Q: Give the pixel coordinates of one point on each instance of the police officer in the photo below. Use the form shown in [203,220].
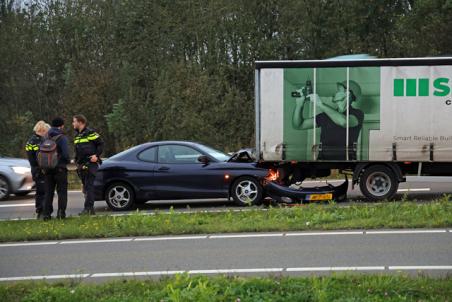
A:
[88,149]
[32,147]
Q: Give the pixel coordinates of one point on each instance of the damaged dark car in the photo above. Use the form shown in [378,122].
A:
[178,170]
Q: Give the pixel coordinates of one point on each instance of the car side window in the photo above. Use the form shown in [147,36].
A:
[148,154]
[178,154]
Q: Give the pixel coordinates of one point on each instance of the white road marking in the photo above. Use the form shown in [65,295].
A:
[236,271]
[17,205]
[325,233]
[232,271]
[421,268]
[246,235]
[170,238]
[335,268]
[136,274]
[226,236]
[28,243]
[445,179]
[406,232]
[17,219]
[45,277]
[96,241]
[322,181]
[414,190]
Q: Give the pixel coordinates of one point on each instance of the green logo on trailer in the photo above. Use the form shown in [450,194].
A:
[421,87]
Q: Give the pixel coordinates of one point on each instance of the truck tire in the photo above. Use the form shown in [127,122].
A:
[378,182]
[246,191]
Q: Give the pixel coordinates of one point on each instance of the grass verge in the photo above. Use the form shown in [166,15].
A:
[310,217]
[200,288]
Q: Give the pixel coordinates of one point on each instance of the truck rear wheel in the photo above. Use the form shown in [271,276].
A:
[378,182]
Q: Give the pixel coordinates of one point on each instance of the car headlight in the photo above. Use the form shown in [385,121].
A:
[21,170]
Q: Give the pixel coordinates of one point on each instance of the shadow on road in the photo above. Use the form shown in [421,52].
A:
[19,198]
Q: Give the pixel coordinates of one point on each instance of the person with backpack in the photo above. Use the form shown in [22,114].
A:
[53,158]
[32,148]
[88,149]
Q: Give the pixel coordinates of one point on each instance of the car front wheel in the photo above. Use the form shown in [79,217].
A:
[4,189]
[246,191]
[120,197]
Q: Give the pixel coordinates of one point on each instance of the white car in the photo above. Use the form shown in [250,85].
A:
[15,177]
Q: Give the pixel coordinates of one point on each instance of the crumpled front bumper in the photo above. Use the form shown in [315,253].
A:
[285,194]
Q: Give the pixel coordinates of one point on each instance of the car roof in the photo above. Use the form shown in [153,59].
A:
[156,143]
[141,147]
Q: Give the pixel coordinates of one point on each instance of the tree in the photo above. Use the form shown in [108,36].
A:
[148,70]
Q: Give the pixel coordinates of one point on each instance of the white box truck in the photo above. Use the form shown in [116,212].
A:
[378,119]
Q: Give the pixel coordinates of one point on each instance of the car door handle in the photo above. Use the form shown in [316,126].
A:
[164,168]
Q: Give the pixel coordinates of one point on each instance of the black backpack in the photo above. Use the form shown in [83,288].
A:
[47,155]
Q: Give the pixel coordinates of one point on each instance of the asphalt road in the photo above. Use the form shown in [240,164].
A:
[415,190]
[408,251]
[421,189]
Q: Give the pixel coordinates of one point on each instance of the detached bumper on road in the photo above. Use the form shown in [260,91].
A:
[285,194]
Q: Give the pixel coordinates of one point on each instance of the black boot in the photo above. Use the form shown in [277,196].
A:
[61,214]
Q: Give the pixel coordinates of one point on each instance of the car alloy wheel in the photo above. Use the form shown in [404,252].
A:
[246,191]
[4,189]
[120,197]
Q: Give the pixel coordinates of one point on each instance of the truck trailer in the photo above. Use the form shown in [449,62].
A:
[377,120]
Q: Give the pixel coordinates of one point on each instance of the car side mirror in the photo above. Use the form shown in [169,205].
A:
[204,159]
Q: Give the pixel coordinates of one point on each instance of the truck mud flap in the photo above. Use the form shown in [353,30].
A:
[283,194]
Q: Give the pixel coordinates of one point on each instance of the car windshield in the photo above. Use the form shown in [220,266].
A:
[218,155]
